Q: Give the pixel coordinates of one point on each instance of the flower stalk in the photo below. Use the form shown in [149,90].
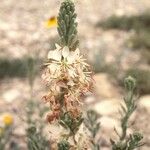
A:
[67,76]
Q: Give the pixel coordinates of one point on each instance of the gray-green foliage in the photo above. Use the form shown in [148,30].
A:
[134,140]
[35,140]
[14,145]
[18,67]
[142,77]
[138,23]
[67,25]
[99,62]
[70,123]
[13,68]
[93,125]
[63,145]
[6,140]
[31,71]
[35,136]
[5,136]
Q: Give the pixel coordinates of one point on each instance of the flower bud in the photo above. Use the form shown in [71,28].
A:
[63,145]
[130,83]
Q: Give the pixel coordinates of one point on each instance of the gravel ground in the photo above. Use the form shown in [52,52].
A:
[22,33]
[22,30]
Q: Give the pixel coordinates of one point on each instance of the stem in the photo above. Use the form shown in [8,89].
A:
[129,105]
[75,142]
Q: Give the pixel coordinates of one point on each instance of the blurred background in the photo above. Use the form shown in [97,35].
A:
[115,39]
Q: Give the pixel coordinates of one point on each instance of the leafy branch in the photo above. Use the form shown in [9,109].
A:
[93,125]
[134,140]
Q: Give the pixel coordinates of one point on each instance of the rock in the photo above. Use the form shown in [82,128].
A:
[11,95]
[110,127]
[109,123]
[108,107]
[19,131]
[2,103]
[144,148]
[90,99]
[105,148]
[104,88]
[111,107]
[145,102]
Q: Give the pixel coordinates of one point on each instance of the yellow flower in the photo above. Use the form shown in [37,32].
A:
[51,22]
[8,119]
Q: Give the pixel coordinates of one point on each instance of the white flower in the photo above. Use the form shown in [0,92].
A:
[72,72]
[73,56]
[65,52]
[55,70]
[55,54]
[68,64]
[59,53]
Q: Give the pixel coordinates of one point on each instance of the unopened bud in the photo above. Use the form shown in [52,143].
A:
[130,83]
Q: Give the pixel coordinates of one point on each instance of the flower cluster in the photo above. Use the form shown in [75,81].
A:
[68,78]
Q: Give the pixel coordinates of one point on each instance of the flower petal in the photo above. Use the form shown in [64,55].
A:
[53,67]
[57,55]
[77,51]
[65,52]
[71,58]
[57,46]
[50,54]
